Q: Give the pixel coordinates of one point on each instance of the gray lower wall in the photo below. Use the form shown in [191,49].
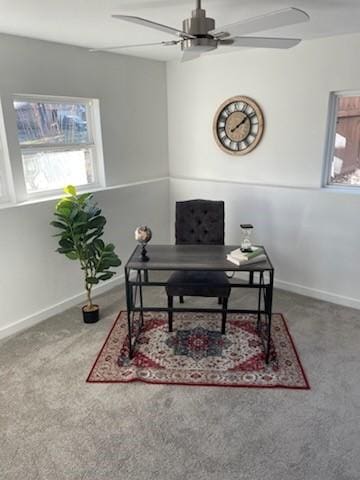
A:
[36,281]
[310,234]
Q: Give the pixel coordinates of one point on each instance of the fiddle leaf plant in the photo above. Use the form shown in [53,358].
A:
[80,228]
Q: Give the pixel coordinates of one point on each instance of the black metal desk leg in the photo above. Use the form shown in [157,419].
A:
[146,276]
[223,314]
[269,298]
[170,313]
[128,307]
[141,298]
[261,282]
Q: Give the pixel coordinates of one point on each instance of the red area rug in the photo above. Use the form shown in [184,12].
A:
[196,353]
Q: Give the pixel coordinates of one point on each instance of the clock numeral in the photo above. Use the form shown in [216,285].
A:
[244,107]
[234,145]
[221,124]
[227,142]
[254,128]
[252,115]
[222,132]
[251,138]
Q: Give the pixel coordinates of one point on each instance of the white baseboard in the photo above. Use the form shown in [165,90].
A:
[319,294]
[311,292]
[41,315]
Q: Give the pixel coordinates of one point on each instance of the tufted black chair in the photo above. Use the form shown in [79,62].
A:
[199,222]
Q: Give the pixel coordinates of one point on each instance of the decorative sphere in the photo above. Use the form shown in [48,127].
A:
[143,234]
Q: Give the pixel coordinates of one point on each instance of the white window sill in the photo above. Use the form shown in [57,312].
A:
[52,197]
[348,189]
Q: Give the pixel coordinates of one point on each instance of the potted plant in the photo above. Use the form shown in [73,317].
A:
[81,227]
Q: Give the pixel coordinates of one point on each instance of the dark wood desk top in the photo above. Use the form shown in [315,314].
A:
[192,257]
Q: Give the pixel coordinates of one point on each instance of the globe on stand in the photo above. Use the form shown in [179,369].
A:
[143,235]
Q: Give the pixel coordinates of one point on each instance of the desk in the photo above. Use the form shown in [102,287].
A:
[197,257]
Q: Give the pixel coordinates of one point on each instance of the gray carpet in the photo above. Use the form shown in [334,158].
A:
[54,426]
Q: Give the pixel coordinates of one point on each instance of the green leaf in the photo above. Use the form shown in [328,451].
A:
[109,262]
[110,247]
[99,244]
[97,222]
[92,211]
[66,243]
[72,255]
[71,190]
[116,262]
[80,227]
[91,280]
[64,250]
[106,276]
[58,225]
[84,197]
[64,208]
[93,235]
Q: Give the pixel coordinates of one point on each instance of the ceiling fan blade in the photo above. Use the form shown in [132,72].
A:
[154,25]
[261,42]
[280,18]
[165,44]
[190,55]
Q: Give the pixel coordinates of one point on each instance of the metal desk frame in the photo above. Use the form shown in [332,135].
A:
[134,288]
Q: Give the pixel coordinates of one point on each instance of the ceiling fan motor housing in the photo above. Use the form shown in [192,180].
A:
[199,25]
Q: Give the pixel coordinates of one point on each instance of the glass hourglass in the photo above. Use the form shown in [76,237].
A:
[246,230]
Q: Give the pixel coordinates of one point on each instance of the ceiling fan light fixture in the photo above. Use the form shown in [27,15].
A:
[199,44]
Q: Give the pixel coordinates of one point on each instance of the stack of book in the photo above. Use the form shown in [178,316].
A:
[238,257]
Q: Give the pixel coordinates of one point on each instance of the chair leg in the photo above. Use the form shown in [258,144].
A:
[170,313]
[224,311]
[219,301]
[181,299]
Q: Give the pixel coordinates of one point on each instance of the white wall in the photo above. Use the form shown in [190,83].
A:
[35,281]
[312,234]
[131,93]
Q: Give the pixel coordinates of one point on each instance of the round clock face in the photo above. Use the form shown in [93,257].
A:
[238,125]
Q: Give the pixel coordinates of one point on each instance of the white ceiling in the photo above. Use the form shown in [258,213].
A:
[87,23]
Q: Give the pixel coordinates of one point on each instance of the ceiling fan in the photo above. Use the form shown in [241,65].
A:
[199,34]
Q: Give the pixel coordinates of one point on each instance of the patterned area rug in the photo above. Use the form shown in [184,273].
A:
[196,353]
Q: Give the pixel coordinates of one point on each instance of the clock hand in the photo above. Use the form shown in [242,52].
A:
[239,124]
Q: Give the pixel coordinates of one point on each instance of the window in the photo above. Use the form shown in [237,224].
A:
[59,143]
[343,153]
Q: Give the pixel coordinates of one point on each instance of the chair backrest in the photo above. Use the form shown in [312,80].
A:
[200,221]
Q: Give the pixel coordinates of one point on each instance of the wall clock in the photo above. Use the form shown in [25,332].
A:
[238,125]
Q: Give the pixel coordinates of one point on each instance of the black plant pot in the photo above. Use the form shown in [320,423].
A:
[91,317]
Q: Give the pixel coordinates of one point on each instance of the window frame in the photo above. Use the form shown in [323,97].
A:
[330,141]
[6,176]
[94,145]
